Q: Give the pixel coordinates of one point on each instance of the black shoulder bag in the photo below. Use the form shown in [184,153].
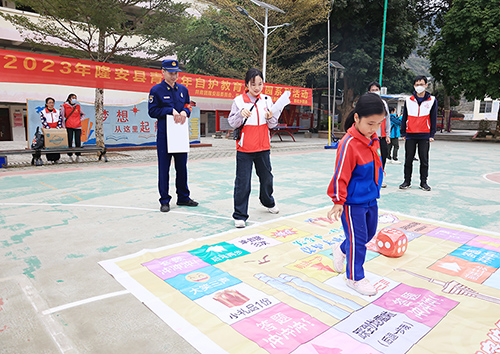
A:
[237,131]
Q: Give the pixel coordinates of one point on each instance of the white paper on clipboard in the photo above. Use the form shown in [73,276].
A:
[278,106]
[177,135]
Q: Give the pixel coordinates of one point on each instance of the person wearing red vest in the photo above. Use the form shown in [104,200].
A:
[51,119]
[251,112]
[418,127]
[73,117]
[384,132]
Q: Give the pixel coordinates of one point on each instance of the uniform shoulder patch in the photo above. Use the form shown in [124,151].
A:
[151,98]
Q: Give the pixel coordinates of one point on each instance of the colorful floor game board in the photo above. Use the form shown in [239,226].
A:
[271,289]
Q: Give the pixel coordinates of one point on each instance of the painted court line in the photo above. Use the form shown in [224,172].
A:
[84,302]
[119,207]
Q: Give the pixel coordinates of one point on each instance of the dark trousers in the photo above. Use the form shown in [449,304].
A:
[77,133]
[53,157]
[383,150]
[360,225]
[243,181]
[164,161]
[411,146]
[393,149]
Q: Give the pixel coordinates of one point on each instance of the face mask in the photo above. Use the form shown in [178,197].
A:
[73,101]
[375,92]
[419,89]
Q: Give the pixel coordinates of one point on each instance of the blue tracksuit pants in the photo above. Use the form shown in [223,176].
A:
[360,225]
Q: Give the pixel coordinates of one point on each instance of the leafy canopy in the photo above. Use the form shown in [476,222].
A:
[466,58]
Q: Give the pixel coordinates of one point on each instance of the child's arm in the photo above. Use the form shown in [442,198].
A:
[344,165]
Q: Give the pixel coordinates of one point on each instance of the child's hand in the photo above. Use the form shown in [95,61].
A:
[245,113]
[269,114]
[335,213]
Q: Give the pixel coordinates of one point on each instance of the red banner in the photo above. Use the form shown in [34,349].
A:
[23,67]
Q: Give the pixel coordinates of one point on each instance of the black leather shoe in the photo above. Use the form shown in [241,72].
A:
[189,203]
[425,187]
[165,208]
[405,185]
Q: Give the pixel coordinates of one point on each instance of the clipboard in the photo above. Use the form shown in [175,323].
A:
[177,135]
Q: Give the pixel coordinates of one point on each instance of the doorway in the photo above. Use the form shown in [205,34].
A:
[5,128]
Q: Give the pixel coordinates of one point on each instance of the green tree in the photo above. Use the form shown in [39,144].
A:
[466,57]
[103,30]
[357,32]
[228,43]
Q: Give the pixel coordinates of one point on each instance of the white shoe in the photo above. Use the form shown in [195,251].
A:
[363,286]
[77,159]
[384,185]
[239,223]
[273,210]
[396,162]
[338,259]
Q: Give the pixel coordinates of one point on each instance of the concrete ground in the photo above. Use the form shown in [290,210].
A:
[58,221]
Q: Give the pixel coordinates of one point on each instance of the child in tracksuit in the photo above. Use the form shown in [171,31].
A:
[395,135]
[355,188]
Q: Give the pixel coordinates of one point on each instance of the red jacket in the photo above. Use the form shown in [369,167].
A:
[358,170]
[255,134]
[73,120]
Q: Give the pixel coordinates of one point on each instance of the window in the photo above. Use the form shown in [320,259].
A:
[485,107]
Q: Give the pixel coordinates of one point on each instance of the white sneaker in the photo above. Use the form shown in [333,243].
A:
[338,259]
[77,159]
[239,223]
[384,185]
[363,286]
[396,162]
[274,209]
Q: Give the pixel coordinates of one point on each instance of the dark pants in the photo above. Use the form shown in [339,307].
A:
[164,161]
[77,133]
[243,181]
[360,225]
[383,150]
[411,146]
[393,149]
[53,156]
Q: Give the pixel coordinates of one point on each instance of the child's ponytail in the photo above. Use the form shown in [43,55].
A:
[367,105]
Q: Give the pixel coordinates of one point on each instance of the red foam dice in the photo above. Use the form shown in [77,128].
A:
[391,242]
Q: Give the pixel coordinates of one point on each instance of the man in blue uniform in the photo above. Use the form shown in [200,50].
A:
[170,98]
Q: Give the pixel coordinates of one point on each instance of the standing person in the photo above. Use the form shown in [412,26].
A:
[170,98]
[73,115]
[418,127]
[51,119]
[384,133]
[395,135]
[250,111]
[355,188]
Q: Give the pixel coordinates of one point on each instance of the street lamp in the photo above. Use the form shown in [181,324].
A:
[336,66]
[265,27]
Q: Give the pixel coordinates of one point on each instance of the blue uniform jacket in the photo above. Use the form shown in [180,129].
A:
[163,99]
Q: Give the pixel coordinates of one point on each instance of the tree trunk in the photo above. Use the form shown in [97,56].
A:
[347,106]
[99,126]
[99,97]
[497,130]
[447,111]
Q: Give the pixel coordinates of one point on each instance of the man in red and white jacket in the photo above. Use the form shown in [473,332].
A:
[418,127]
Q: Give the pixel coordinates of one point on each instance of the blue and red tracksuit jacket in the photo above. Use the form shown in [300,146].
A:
[358,170]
